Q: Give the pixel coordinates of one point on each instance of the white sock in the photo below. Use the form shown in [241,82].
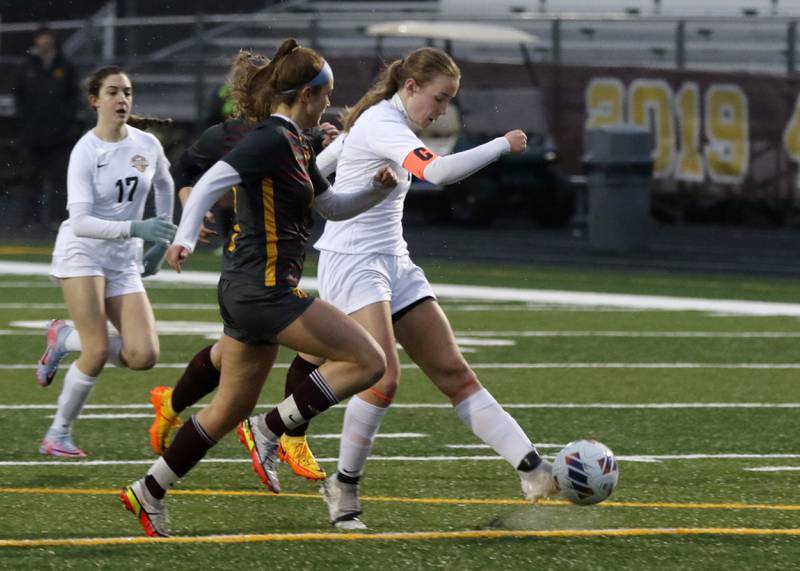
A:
[73,341]
[163,474]
[77,386]
[361,423]
[114,351]
[489,422]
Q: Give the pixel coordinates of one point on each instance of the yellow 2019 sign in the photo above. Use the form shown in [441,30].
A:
[721,154]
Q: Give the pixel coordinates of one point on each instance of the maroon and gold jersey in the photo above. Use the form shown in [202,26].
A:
[273,204]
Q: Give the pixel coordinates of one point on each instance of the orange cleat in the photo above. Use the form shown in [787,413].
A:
[166,422]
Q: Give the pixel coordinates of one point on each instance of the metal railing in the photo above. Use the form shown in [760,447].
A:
[571,39]
[190,52]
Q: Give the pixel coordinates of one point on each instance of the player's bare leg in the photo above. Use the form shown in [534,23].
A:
[428,340]
[363,417]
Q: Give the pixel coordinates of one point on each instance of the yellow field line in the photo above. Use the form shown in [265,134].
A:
[25,250]
[422,535]
[398,500]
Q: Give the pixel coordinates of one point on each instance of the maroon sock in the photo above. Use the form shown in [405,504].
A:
[189,446]
[199,379]
[311,398]
[298,372]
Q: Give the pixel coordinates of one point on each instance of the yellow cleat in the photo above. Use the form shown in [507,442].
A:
[294,451]
[166,421]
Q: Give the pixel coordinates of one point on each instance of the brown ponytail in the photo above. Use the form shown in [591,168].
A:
[422,65]
[278,82]
[147,122]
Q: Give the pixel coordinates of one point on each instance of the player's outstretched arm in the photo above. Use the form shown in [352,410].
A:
[334,205]
[211,186]
[205,231]
[426,165]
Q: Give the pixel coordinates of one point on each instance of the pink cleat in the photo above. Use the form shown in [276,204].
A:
[47,368]
[61,445]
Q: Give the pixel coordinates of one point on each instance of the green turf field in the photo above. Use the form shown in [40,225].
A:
[701,409]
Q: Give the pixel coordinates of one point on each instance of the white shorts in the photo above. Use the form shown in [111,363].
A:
[354,281]
[118,282]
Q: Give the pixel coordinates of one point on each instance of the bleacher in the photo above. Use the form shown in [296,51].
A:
[178,55]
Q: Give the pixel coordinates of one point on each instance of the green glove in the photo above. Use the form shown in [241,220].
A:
[154,230]
[153,258]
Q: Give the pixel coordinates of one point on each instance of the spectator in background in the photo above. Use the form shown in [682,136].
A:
[47,98]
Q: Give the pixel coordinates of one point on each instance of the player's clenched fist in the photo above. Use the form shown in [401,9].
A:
[518,140]
[385,177]
[176,255]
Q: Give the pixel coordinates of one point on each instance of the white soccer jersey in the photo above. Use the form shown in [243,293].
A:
[380,136]
[116,179]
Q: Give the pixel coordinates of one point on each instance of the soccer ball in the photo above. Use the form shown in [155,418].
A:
[586,472]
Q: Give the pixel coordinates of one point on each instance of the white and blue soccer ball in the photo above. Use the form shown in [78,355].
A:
[586,472]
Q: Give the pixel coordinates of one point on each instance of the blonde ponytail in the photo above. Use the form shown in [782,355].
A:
[421,65]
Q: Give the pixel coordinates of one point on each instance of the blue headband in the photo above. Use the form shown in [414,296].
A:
[324,76]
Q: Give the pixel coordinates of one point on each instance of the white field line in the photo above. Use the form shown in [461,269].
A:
[474,337]
[774,469]
[214,329]
[46,284]
[486,446]
[644,458]
[447,305]
[767,366]
[570,298]
[181,306]
[21,332]
[601,406]
[379,435]
[22,366]
[656,334]
[455,305]
[763,366]
[110,416]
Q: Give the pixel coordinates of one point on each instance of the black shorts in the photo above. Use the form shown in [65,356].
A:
[254,314]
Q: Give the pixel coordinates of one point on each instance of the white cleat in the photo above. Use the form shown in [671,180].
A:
[151,513]
[344,506]
[539,482]
[263,453]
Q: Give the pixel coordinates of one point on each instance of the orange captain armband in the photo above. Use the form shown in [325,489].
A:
[416,161]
